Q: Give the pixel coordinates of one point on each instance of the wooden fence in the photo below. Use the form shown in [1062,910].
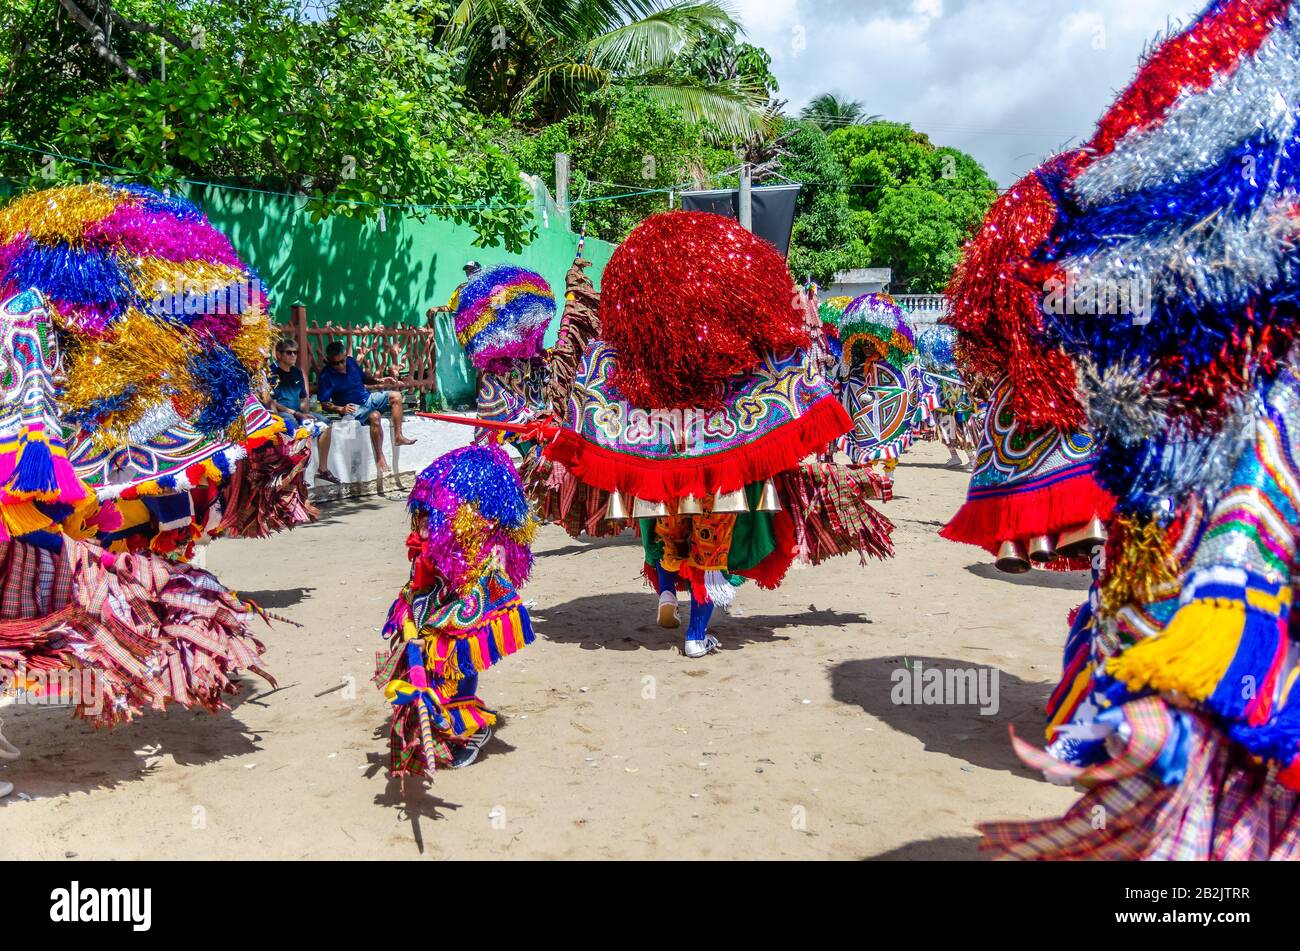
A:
[408,355]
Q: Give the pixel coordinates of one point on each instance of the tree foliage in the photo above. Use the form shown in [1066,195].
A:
[543,57]
[915,204]
[830,111]
[620,142]
[353,109]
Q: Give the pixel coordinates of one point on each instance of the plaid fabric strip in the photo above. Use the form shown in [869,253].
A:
[18,583]
[1227,808]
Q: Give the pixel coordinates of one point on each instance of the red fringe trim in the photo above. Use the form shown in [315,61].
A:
[987,523]
[659,481]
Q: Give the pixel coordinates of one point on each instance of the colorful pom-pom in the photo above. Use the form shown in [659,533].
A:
[502,314]
[477,518]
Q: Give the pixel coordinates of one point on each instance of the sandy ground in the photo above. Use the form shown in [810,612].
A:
[614,745]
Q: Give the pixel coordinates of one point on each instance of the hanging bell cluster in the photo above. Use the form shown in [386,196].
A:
[1080,542]
[724,503]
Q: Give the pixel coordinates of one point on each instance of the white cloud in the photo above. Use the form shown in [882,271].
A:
[1009,81]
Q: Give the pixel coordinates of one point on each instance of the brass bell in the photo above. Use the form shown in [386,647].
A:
[690,505]
[1012,558]
[1079,542]
[770,500]
[1041,550]
[730,503]
[616,510]
[641,508]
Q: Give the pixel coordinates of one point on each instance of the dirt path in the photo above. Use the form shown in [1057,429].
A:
[787,744]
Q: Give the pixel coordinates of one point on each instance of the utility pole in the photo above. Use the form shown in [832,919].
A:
[746,198]
[562,182]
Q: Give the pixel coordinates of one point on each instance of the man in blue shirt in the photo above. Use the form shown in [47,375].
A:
[341,388]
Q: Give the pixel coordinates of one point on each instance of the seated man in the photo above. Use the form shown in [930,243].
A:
[290,398]
[342,389]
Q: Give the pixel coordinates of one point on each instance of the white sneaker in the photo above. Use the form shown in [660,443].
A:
[700,648]
[468,753]
[5,788]
[668,616]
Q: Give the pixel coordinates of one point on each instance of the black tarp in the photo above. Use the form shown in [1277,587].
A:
[772,207]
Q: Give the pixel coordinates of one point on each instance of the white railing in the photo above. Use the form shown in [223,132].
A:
[922,309]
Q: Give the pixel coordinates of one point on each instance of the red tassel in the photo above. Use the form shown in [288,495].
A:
[660,480]
[987,523]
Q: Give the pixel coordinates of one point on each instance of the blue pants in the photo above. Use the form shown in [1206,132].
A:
[701,611]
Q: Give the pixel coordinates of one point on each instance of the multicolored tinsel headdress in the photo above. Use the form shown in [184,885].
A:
[154,308]
[502,315]
[1167,272]
[873,328]
[1174,258]
[935,346]
[994,301]
[690,299]
[477,517]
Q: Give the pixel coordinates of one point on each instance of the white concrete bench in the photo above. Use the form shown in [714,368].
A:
[353,460]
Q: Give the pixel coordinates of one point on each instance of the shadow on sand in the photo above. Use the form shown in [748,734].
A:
[959,731]
[62,755]
[603,622]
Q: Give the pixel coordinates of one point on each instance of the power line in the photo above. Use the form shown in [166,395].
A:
[352,202]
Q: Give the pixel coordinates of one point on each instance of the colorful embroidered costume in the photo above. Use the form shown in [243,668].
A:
[1177,712]
[165,337]
[460,614]
[130,630]
[882,390]
[706,453]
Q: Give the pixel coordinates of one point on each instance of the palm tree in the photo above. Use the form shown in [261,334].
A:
[541,53]
[829,112]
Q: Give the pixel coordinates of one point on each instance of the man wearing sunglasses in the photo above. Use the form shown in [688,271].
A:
[342,388]
[290,399]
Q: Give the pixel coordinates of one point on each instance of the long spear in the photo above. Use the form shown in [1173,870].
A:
[533,430]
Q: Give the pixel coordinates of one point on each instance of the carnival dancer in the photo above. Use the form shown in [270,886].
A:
[111,632]
[460,613]
[166,338]
[694,413]
[951,406]
[1033,498]
[702,446]
[1177,712]
[880,388]
[502,316]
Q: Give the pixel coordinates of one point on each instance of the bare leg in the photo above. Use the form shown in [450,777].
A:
[323,448]
[377,441]
[395,404]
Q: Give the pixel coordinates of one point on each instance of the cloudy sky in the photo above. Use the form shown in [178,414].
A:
[1010,81]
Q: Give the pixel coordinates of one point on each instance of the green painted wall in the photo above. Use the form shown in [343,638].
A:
[350,272]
